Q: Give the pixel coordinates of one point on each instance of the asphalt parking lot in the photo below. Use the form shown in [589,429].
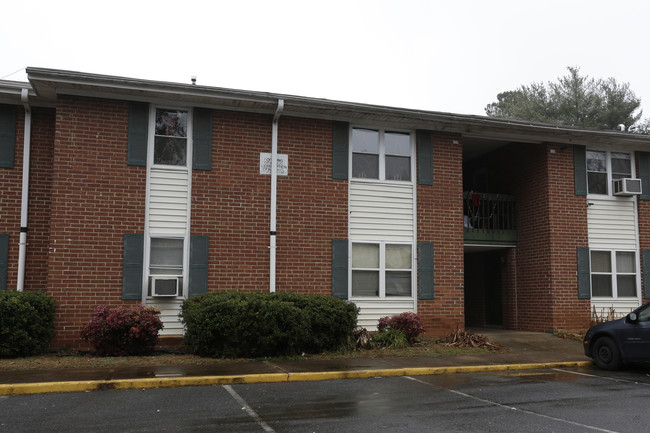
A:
[558,400]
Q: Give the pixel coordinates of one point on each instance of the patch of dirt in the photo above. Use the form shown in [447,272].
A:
[423,347]
[88,360]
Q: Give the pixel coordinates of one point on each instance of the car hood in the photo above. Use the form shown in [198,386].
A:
[608,326]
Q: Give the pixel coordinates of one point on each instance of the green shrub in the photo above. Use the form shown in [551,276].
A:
[234,324]
[390,338]
[123,331]
[26,323]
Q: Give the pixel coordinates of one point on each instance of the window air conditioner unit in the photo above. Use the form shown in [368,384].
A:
[164,286]
[627,187]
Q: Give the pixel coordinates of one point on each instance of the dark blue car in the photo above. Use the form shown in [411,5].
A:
[626,340]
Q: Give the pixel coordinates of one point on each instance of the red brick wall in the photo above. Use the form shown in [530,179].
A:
[231,204]
[567,231]
[539,279]
[42,140]
[533,289]
[96,198]
[40,198]
[643,210]
[11,187]
[440,220]
[312,207]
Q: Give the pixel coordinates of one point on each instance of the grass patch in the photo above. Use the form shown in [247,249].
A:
[570,335]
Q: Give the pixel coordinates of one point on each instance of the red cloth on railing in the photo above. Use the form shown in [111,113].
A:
[477,199]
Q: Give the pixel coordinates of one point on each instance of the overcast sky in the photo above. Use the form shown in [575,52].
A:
[450,56]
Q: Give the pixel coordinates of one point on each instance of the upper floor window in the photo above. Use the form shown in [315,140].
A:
[170,139]
[381,155]
[603,167]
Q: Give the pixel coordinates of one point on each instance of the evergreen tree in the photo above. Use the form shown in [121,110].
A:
[574,100]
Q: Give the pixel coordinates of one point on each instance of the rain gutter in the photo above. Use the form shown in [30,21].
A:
[274,194]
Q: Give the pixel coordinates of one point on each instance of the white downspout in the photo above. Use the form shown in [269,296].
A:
[22,251]
[274,192]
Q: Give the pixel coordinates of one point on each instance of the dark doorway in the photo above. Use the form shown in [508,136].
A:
[483,286]
[493,306]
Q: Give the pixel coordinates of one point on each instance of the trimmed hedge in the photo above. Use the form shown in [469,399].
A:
[26,323]
[123,331]
[236,324]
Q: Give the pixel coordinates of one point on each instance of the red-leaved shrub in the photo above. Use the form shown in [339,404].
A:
[409,323]
[123,331]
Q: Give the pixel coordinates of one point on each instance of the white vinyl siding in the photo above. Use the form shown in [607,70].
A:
[373,310]
[612,225]
[169,309]
[613,308]
[168,201]
[382,211]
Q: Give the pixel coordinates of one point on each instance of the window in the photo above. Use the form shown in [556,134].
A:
[381,269]
[604,167]
[381,155]
[166,259]
[613,274]
[170,139]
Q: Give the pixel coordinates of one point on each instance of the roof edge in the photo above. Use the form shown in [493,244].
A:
[48,83]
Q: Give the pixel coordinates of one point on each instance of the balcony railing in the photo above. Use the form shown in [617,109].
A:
[489,219]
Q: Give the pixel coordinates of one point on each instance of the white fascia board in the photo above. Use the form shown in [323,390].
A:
[10,92]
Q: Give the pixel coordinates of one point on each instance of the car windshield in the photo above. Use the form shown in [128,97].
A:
[644,314]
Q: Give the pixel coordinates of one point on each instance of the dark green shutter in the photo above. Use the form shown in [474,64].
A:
[199,247]
[580,170]
[132,266]
[340,268]
[425,270]
[138,133]
[7,135]
[4,260]
[424,141]
[340,149]
[646,273]
[202,139]
[644,174]
[584,273]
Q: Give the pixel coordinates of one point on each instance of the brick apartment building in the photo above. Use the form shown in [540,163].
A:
[121,191]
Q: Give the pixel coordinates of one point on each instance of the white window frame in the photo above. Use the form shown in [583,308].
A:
[184,266]
[382,270]
[610,179]
[382,153]
[188,137]
[146,277]
[614,273]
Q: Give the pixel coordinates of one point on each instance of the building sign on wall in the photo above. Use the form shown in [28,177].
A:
[282,164]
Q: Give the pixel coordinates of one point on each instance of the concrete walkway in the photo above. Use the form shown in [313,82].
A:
[527,350]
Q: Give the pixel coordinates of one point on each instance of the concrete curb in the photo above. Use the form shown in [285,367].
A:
[97,385]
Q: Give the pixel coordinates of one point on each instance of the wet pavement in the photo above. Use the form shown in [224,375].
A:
[523,348]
